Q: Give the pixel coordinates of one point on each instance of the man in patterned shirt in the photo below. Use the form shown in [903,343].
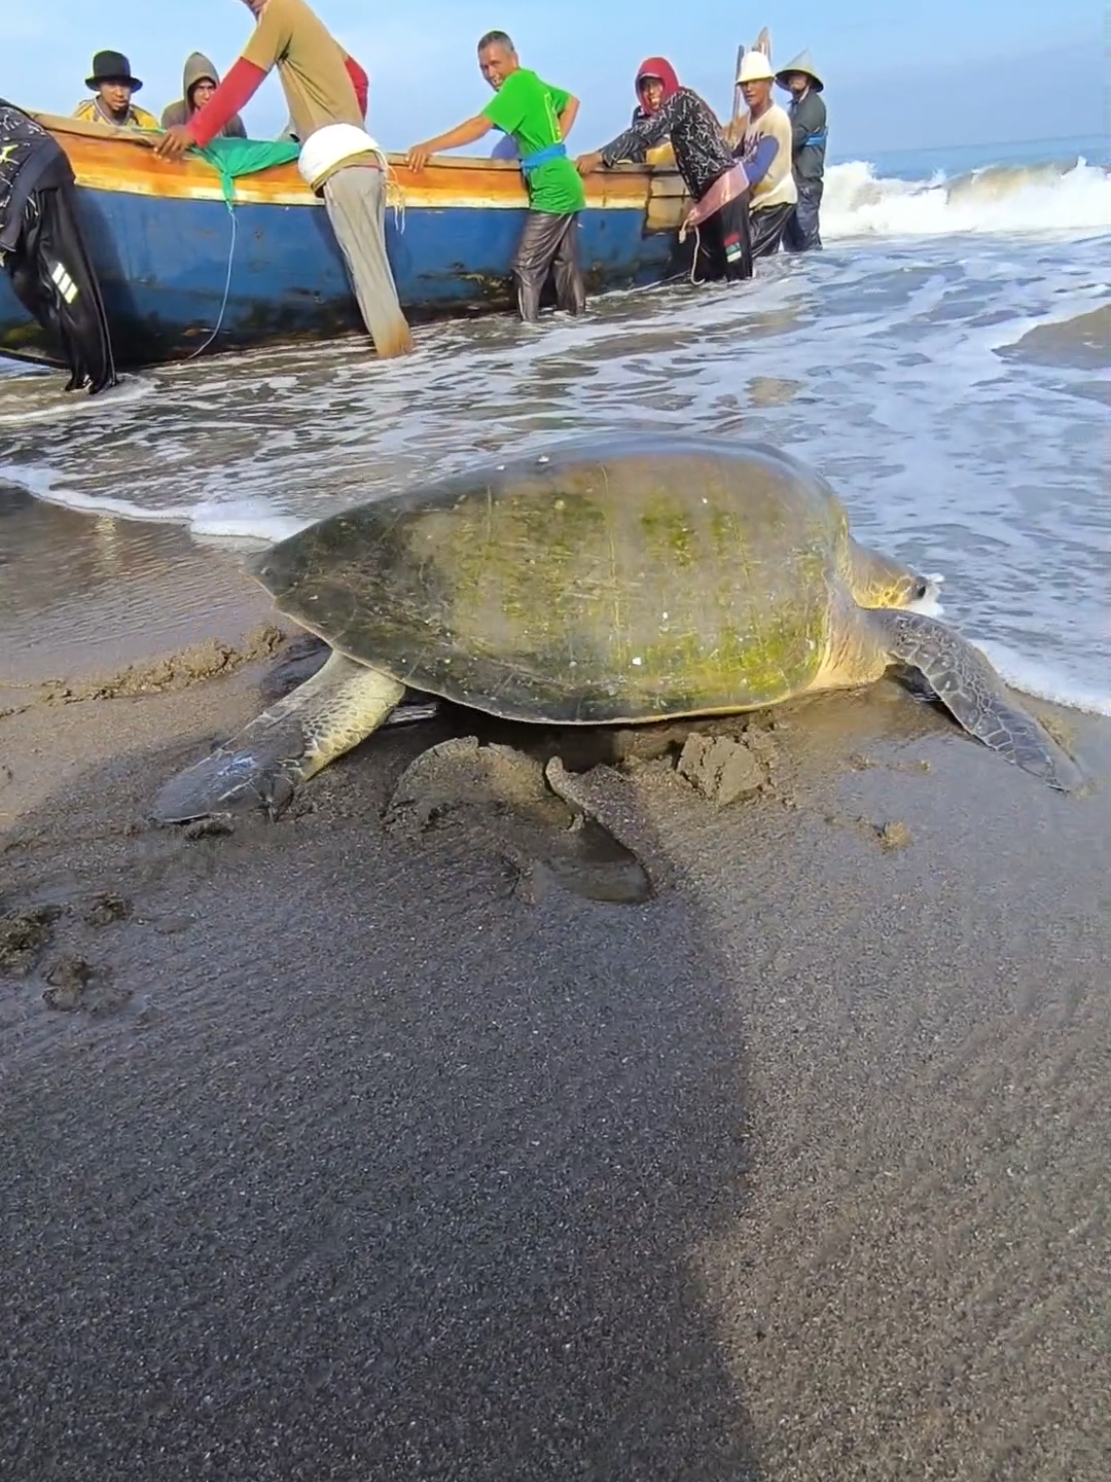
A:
[703,158]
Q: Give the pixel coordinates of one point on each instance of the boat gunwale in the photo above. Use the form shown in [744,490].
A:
[122,161]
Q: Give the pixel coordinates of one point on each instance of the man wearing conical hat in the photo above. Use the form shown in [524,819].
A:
[807,112]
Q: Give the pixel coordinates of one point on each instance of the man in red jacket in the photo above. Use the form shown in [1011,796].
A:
[326,91]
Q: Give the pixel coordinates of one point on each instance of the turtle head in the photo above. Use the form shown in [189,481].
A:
[878,581]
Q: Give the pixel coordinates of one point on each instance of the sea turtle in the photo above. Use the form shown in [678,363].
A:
[620,579]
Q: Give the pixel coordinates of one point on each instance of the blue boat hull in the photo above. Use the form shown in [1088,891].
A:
[163,264]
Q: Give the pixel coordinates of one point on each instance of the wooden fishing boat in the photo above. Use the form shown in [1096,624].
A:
[181,270]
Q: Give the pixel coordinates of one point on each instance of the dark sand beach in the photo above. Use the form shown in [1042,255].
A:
[332,1153]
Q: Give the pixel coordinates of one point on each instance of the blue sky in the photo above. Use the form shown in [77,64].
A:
[898,78]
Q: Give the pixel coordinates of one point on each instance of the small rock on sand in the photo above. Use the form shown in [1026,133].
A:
[208,828]
[76,984]
[894,835]
[68,979]
[23,935]
[104,909]
[721,768]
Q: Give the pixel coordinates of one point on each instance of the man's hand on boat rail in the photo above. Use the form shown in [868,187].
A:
[174,142]
[418,156]
[588,162]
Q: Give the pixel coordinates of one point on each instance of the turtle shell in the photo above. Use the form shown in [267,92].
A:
[614,580]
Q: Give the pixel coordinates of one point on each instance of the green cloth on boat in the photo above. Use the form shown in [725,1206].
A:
[234,157]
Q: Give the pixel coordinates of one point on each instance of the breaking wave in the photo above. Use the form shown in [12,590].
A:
[997,198]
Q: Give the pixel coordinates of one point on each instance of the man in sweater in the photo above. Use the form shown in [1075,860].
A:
[539,117]
[765,152]
[808,151]
[326,91]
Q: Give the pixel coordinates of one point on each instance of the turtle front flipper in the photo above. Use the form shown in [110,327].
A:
[263,766]
[968,686]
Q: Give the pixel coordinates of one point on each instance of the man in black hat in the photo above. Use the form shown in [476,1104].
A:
[113,84]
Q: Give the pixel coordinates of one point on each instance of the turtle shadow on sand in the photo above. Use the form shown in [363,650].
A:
[407,1175]
[430,1172]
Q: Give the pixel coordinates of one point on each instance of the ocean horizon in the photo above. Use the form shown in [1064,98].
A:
[954,160]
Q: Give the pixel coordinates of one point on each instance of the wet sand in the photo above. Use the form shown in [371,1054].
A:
[330,1152]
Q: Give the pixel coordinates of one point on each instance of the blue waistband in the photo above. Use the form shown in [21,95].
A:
[542,156]
[814,139]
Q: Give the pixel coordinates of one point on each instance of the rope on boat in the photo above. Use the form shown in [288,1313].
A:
[395,196]
[227,287]
[397,204]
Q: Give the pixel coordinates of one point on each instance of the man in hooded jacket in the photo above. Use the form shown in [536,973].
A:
[703,158]
[199,81]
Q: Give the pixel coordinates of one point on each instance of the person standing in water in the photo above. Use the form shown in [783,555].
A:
[539,118]
[703,158]
[114,86]
[765,152]
[807,111]
[326,92]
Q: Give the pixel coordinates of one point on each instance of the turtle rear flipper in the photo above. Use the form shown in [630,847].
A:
[291,741]
[964,681]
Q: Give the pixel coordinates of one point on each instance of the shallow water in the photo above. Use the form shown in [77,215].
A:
[953,387]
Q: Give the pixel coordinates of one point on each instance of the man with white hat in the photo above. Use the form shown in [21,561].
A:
[808,150]
[765,152]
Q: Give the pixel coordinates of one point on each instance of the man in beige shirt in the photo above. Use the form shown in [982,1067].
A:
[765,151]
[326,93]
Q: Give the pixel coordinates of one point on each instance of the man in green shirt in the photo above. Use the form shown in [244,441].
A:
[539,117]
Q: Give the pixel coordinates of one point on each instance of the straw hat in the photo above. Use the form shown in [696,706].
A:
[755,67]
[803,63]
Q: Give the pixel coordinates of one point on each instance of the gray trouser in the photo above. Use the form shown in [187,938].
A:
[802,234]
[355,199]
[549,241]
